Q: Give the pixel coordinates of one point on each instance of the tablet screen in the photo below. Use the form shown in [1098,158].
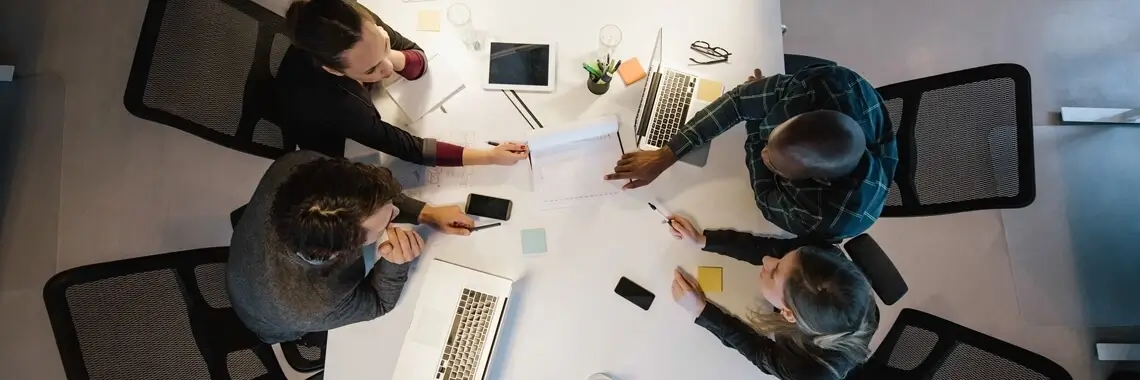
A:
[520,64]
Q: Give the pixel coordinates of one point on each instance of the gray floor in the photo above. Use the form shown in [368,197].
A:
[124,187]
[1080,53]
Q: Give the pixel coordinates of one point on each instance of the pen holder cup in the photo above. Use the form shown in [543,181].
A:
[597,88]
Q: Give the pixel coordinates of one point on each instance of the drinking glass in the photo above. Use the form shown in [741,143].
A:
[459,15]
[608,39]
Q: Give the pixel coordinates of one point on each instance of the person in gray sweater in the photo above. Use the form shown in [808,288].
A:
[304,257]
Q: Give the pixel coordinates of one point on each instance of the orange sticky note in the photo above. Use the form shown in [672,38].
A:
[631,71]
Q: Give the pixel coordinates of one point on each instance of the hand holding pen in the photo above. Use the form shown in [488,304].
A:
[485,226]
[683,229]
[506,153]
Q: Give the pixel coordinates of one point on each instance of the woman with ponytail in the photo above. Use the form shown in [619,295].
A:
[340,50]
[825,310]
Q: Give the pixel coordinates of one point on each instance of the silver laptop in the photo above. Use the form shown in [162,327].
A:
[669,100]
[455,325]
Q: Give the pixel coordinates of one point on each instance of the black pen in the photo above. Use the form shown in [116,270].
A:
[659,212]
[483,227]
[493,143]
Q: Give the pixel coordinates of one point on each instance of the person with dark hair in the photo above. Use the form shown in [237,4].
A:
[340,49]
[826,312]
[820,150]
[309,253]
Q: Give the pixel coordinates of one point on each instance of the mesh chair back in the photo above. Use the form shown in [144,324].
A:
[923,346]
[965,141]
[306,354]
[156,317]
[206,67]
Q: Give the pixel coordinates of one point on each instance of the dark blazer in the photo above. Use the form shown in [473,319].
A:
[320,110]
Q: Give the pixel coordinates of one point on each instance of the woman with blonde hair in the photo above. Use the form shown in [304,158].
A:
[825,310]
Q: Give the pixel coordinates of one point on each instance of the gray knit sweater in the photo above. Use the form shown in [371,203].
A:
[281,296]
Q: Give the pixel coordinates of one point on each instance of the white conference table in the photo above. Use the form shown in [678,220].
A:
[564,320]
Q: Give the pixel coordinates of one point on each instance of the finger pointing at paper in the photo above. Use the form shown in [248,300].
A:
[641,168]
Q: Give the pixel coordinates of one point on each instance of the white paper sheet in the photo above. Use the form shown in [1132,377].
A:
[416,179]
[569,163]
[418,97]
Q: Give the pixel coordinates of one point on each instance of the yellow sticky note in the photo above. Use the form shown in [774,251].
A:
[711,279]
[708,90]
[429,21]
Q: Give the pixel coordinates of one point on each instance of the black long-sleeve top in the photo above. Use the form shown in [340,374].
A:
[320,110]
[777,357]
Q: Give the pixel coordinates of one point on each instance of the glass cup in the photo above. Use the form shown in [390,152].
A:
[459,15]
[608,39]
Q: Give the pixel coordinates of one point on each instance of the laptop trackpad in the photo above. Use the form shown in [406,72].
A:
[431,327]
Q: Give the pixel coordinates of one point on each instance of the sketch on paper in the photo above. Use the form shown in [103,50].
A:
[417,179]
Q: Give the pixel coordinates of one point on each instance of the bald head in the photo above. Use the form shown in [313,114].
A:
[820,144]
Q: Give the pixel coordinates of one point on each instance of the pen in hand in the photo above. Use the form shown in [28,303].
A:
[486,226]
[495,143]
[659,212]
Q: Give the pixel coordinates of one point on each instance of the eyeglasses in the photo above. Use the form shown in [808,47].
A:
[718,53]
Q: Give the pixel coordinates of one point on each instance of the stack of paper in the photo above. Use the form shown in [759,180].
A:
[418,97]
[569,163]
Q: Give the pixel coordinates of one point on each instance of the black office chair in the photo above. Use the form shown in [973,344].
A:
[206,67]
[880,271]
[965,142]
[923,346]
[306,354]
[154,317]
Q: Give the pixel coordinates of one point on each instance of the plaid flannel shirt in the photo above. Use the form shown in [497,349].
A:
[839,209]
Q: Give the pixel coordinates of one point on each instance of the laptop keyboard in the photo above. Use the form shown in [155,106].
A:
[669,111]
[468,333]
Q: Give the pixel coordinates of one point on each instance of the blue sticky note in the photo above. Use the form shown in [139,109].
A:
[369,257]
[533,241]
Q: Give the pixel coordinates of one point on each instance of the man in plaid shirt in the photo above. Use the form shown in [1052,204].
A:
[820,151]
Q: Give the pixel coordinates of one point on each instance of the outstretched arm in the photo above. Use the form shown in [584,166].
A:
[749,101]
[747,247]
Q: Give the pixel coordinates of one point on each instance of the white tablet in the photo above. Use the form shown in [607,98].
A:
[520,66]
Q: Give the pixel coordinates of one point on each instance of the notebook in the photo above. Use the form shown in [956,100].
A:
[569,163]
[418,97]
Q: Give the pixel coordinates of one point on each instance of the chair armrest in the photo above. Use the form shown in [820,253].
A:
[884,277]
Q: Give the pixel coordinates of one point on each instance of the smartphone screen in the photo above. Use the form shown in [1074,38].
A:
[489,207]
[634,293]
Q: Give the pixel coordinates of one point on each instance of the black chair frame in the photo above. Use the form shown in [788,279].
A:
[257,102]
[205,321]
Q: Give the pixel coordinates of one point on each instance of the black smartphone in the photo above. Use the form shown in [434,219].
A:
[634,293]
[489,207]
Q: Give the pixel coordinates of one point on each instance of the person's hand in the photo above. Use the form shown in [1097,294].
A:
[641,168]
[507,153]
[756,75]
[403,245]
[688,293]
[396,61]
[448,219]
[683,229]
